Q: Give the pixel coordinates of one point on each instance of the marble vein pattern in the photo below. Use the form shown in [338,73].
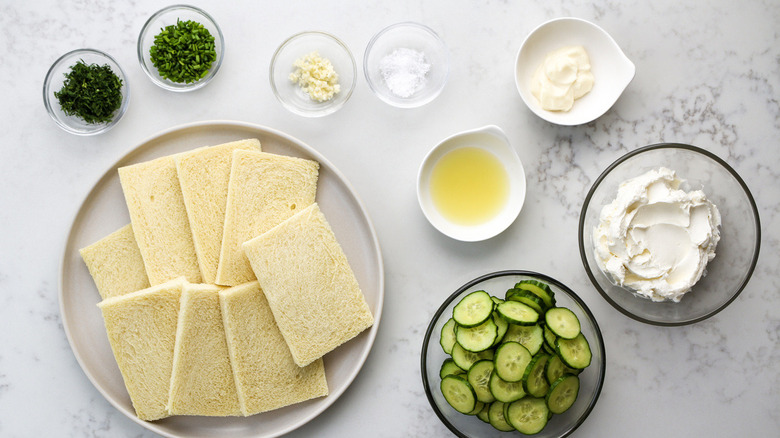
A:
[708,74]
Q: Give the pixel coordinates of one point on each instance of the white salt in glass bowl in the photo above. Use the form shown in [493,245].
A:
[492,139]
[613,71]
[417,37]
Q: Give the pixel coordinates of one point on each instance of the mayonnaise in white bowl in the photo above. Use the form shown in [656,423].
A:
[612,69]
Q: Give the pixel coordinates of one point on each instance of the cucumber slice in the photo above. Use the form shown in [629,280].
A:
[534,381]
[549,338]
[511,360]
[497,419]
[555,368]
[540,289]
[505,391]
[458,393]
[502,327]
[484,413]
[528,298]
[563,322]
[479,379]
[531,336]
[496,300]
[449,367]
[517,313]
[465,359]
[563,393]
[478,338]
[447,339]
[528,415]
[473,309]
[478,406]
[575,353]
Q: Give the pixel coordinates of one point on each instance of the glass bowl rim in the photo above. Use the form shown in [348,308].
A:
[506,273]
[125,96]
[375,89]
[638,151]
[193,85]
[297,110]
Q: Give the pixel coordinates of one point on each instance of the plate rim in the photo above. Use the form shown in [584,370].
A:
[331,398]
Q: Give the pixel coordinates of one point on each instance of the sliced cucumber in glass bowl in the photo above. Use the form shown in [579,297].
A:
[533,361]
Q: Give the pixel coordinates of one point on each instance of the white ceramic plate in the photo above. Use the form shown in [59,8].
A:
[611,68]
[104,211]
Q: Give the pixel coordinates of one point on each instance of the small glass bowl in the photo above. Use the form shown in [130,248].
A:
[55,78]
[290,94]
[497,283]
[408,35]
[167,17]
[736,254]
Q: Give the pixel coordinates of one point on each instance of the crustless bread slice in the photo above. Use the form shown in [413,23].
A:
[159,218]
[115,264]
[202,379]
[264,190]
[310,287]
[141,329]
[265,374]
[203,175]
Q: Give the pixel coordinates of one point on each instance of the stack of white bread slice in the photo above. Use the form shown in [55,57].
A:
[227,288]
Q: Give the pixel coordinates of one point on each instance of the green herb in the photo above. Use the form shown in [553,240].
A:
[91,92]
[183,52]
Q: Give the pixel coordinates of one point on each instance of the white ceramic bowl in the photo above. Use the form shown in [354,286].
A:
[290,94]
[613,71]
[492,139]
[408,35]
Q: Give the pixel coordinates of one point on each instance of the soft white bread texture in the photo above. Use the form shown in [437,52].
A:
[159,218]
[265,374]
[203,175]
[310,287]
[115,264]
[264,190]
[202,379]
[141,328]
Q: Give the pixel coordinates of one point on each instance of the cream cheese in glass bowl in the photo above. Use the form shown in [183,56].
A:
[727,274]
[655,237]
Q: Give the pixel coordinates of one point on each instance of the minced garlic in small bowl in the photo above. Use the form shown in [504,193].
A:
[313,74]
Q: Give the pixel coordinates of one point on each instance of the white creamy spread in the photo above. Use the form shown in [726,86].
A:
[563,77]
[656,238]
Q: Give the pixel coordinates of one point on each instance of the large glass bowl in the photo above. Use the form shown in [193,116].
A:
[497,283]
[736,253]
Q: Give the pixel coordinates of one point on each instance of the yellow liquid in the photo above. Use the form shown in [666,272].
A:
[469,186]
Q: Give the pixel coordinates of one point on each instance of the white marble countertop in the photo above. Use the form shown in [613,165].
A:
[708,74]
